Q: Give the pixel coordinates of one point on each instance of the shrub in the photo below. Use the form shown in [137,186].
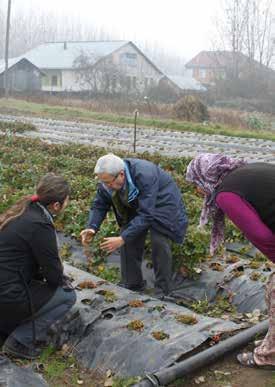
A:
[229,117]
[255,122]
[190,108]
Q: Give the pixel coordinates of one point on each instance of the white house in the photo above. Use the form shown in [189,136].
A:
[58,63]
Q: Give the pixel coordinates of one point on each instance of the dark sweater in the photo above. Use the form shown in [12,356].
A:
[28,245]
[255,183]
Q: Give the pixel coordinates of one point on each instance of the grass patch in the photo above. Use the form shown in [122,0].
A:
[58,368]
[15,106]
[125,382]
[16,127]
[222,305]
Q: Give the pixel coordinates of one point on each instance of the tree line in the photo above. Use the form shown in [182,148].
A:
[31,28]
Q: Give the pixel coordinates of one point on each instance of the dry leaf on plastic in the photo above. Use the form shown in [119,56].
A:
[87,284]
[216,266]
[136,303]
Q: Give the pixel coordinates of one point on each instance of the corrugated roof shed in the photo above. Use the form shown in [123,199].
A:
[14,61]
[186,82]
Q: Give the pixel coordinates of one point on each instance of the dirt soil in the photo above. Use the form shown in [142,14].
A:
[229,373]
[225,373]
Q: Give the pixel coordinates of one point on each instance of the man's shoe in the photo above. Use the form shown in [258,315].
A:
[138,288]
[135,288]
[14,348]
[160,294]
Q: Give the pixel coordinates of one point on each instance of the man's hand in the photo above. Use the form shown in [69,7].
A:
[87,236]
[111,244]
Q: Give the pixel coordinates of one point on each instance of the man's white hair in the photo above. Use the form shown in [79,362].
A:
[110,164]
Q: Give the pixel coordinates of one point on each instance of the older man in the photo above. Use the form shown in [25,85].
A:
[144,198]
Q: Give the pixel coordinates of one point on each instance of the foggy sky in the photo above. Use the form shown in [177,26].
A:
[182,27]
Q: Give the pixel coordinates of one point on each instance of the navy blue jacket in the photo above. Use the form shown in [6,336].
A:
[158,206]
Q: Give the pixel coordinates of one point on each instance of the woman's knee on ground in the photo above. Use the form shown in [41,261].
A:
[65,296]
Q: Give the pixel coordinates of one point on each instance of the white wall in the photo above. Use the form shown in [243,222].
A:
[142,73]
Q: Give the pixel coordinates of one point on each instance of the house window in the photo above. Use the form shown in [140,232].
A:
[134,82]
[202,73]
[129,59]
[220,74]
[54,80]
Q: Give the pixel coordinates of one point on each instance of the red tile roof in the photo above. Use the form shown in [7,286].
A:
[215,59]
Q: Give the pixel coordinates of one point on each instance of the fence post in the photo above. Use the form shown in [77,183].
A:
[135,129]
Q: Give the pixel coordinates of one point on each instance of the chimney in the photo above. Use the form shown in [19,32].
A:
[65,45]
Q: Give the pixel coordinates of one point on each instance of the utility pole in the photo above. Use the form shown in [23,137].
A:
[6,83]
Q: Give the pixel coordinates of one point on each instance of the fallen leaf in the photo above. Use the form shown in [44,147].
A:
[197,270]
[109,382]
[221,373]
[216,266]
[136,303]
[200,379]
[87,284]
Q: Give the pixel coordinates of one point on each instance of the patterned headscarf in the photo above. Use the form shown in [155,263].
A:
[207,172]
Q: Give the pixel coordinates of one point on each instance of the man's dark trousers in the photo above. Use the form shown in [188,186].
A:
[131,254]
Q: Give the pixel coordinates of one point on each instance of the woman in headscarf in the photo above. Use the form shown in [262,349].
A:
[245,193]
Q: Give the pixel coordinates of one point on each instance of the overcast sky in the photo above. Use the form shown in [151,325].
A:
[183,27]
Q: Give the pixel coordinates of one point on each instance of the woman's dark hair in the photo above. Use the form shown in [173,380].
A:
[50,189]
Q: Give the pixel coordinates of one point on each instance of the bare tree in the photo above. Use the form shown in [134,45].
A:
[86,72]
[99,75]
[246,28]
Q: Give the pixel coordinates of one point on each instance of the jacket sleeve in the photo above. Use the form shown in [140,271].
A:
[45,252]
[100,206]
[147,182]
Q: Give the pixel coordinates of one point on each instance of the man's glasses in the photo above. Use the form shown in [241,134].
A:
[108,183]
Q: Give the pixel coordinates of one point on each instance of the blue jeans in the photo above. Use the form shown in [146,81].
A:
[55,309]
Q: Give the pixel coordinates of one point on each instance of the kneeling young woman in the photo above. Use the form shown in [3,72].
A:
[34,292]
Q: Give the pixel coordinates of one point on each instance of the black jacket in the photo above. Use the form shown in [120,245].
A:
[28,252]
[255,182]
